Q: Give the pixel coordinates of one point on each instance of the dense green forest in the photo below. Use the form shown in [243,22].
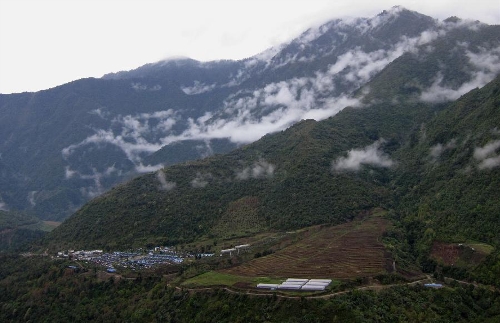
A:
[18,230]
[39,290]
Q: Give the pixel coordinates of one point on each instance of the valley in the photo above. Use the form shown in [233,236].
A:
[366,151]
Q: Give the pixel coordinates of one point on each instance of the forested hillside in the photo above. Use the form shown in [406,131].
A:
[318,172]
[50,291]
[18,230]
[365,152]
[67,145]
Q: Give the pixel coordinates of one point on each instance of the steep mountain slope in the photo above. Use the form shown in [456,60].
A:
[69,144]
[401,156]
[292,179]
[452,169]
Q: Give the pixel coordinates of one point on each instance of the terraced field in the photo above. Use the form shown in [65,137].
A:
[345,251]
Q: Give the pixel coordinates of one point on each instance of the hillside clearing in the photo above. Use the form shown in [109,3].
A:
[344,251]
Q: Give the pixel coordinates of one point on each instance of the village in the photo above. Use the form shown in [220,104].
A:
[134,260]
[141,258]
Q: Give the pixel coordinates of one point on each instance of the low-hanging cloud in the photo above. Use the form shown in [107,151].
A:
[164,184]
[247,115]
[438,149]
[143,87]
[489,163]
[100,112]
[31,197]
[259,169]
[198,88]
[3,206]
[314,97]
[138,134]
[487,155]
[201,180]
[96,177]
[485,66]
[148,168]
[370,155]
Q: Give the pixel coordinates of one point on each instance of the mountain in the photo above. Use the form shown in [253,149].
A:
[453,166]
[66,145]
[421,141]
[433,164]
[69,144]
[366,151]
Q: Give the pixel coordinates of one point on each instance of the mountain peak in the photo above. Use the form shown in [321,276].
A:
[397,12]
[394,10]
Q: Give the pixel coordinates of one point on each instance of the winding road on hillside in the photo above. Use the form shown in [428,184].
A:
[326,296]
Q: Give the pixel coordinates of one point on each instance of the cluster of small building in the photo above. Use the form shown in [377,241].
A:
[236,249]
[140,259]
[299,284]
[79,254]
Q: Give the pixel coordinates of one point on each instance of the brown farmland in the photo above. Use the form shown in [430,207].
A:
[344,251]
[458,254]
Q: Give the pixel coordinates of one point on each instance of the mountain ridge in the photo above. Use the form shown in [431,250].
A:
[121,127]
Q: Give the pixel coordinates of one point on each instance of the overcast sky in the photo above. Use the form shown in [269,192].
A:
[45,43]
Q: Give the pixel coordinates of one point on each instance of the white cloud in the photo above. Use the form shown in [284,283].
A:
[487,155]
[31,197]
[486,64]
[148,168]
[164,184]
[137,135]
[473,25]
[370,155]
[205,149]
[100,112]
[143,87]
[96,189]
[438,93]
[96,177]
[438,149]
[68,173]
[488,150]
[259,169]
[384,18]
[490,163]
[198,88]
[312,97]
[201,180]
[247,116]
[3,207]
